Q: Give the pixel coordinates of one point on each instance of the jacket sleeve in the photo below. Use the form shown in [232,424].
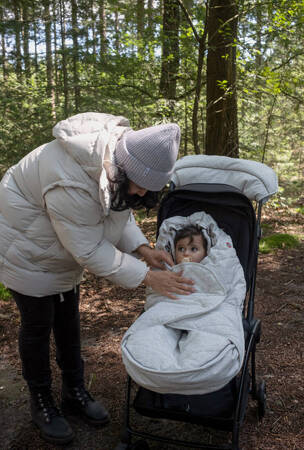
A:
[78,222]
[132,237]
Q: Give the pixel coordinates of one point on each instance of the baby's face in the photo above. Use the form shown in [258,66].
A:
[194,251]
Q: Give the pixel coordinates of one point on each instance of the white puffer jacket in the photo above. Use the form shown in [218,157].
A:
[55,216]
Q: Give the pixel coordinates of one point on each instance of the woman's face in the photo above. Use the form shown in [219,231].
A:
[135,189]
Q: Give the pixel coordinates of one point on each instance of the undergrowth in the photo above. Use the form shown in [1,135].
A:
[4,293]
[278,241]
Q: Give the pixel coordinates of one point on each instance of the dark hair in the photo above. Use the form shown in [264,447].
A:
[190,231]
[121,200]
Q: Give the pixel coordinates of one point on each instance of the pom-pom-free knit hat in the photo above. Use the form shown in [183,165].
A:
[148,156]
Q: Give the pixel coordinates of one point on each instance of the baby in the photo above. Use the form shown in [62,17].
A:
[190,245]
[195,342]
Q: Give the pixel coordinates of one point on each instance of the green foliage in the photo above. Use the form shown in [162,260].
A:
[278,241]
[271,82]
[125,81]
[288,195]
[25,120]
[4,293]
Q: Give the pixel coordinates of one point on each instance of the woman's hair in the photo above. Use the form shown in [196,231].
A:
[121,200]
[188,232]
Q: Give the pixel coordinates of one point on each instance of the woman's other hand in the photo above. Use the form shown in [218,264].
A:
[155,258]
[169,283]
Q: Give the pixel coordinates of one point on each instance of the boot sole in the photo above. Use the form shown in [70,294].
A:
[68,411]
[54,440]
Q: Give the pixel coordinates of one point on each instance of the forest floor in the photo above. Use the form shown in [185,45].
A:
[107,312]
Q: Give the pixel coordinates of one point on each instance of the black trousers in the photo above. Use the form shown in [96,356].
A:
[40,316]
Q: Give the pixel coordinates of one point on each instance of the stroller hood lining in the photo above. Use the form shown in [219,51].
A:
[254,179]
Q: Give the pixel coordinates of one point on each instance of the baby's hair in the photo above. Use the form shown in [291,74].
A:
[188,232]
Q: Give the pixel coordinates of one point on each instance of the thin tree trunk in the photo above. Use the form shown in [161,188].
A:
[87,39]
[222,127]
[116,25]
[64,59]
[140,14]
[170,50]
[102,28]
[258,55]
[25,32]
[18,41]
[3,47]
[198,87]
[55,16]
[150,29]
[75,56]
[35,47]
[93,28]
[49,57]
[150,15]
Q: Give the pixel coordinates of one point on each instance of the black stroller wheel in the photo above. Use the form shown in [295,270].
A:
[261,398]
[140,445]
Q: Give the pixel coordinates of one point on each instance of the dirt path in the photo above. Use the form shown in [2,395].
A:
[107,312]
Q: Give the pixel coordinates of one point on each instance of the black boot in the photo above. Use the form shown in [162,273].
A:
[48,418]
[78,401]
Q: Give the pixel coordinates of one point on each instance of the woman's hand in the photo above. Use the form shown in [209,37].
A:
[155,258]
[169,283]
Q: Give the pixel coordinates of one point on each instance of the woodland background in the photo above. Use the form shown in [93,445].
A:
[229,72]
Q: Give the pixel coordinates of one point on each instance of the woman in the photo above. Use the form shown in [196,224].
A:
[66,207]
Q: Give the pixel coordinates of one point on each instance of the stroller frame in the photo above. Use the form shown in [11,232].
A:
[247,381]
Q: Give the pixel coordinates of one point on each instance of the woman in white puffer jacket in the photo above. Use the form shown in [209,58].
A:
[66,207]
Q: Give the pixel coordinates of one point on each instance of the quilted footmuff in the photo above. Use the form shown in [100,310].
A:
[194,344]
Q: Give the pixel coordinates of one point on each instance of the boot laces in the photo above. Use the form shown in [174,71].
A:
[82,395]
[45,403]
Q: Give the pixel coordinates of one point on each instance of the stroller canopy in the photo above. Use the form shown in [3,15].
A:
[254,179]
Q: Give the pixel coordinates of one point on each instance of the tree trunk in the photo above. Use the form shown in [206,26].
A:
[170,49]
[116,30]
[75,55]
[18,42]
[25,32]
[49,57]
[140,15]
[102,29]
[64,59]
[56,75]
[150,15]
[222,127]
[93,28]
[258,56]
[198,87]
[36,47]
[3,46]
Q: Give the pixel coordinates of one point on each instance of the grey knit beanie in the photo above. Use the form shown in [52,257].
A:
[148,156]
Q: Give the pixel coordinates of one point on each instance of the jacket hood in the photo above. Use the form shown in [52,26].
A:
[90,139]
[170,226]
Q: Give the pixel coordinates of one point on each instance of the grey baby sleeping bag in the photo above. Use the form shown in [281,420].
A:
[195,344]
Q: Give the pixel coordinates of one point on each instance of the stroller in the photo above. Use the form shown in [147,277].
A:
[227,189]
